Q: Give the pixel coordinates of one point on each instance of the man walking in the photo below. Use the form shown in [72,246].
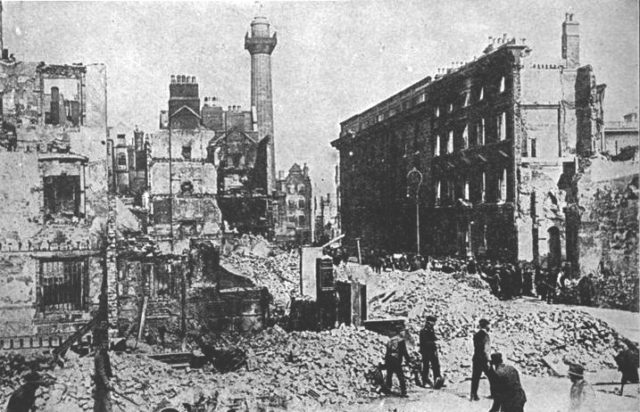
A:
[396,352]
[429,352]
[582,395]
[481,349]
[508,395]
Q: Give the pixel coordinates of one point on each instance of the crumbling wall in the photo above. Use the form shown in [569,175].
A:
[607,195]
[540,207]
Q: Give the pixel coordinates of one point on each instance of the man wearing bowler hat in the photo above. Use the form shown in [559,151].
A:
[582,395]
[508,395]
[481,349]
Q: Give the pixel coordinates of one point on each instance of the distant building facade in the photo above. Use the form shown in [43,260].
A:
[496,141]
[621,137]
[295,206]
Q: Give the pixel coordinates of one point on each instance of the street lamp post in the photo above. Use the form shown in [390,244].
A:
[418,183]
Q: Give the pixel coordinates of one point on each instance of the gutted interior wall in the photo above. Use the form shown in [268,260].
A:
[53,181]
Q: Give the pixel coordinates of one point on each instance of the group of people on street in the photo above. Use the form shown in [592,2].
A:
[504,380]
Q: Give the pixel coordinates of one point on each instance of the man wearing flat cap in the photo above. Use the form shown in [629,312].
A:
[582,395]
[429,352]
[24,398]
[480,360]
[508,395]
[396,352]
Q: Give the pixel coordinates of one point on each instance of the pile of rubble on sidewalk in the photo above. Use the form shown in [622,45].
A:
[304,370]
[525,332]
[279,273]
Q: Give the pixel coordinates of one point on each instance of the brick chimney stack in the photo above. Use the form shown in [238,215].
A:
[570,42]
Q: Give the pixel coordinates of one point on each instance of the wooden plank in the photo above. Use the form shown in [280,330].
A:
[143,315]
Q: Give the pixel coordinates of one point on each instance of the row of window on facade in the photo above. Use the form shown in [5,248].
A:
[446,143]
[298,220]
[447,191]
[464,101]
[300,204]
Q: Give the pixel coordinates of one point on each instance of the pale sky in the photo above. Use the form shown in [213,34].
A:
[333,59]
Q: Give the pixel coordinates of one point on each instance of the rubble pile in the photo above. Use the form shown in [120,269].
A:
[524,333]
[279,273]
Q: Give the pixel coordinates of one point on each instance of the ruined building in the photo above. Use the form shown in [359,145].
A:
[621,137]
[54,242]
[295,206]
[496,141]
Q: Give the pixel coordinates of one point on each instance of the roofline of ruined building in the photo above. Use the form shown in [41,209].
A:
[44,68]
[429,82]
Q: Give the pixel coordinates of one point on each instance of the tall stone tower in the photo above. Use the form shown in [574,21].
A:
[260,43]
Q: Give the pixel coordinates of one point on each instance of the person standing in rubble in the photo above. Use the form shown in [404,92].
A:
[508,395]
[103,372]
[395,354]
[23,399]
[480,360]
[628,362]
[582,396]
[429,352]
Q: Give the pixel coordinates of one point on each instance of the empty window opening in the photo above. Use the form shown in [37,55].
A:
[467,99]
[450,142]
[436,150]
[437,111]
[481,95]
[450,107]
[186,151]
[465,137]
[466,189]
[502,186]
[302,220]
[63,284]
[62,102]
[483,187]
[62,195]
[122,160]
[502,84]
[480,132]
[301,203]
[438,192]
[186,188]
[502,126]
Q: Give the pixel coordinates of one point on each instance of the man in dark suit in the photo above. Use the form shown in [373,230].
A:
[24,398]
[481,349]
[429,352]
[396,352]
[508,395]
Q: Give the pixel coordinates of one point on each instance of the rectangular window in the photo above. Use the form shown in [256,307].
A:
[466,189]
[165,281]
[63,284]
[436,150]
[481,95]
[467,98]
[62,195]
[502,84]
[438,192]
[483,188]
[162,211]
[480,133]
[532,152]
[451,190]
[436,111]
[450,142]
[450,107]
[465,137]
[502,186]
[502,126]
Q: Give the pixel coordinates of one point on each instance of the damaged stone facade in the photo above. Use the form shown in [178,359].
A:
[295,206]
[54,197]
[496,141]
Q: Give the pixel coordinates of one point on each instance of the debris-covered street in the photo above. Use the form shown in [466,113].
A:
[261,206]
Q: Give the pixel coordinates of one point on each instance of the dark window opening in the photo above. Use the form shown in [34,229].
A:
[186,188]
[161,211]
[164,281]
[63,284]
[122,159]
[301,203]
[62,195]
[302,220]
[186,152]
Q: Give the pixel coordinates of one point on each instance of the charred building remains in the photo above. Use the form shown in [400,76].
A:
[53,237]
[496,141]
